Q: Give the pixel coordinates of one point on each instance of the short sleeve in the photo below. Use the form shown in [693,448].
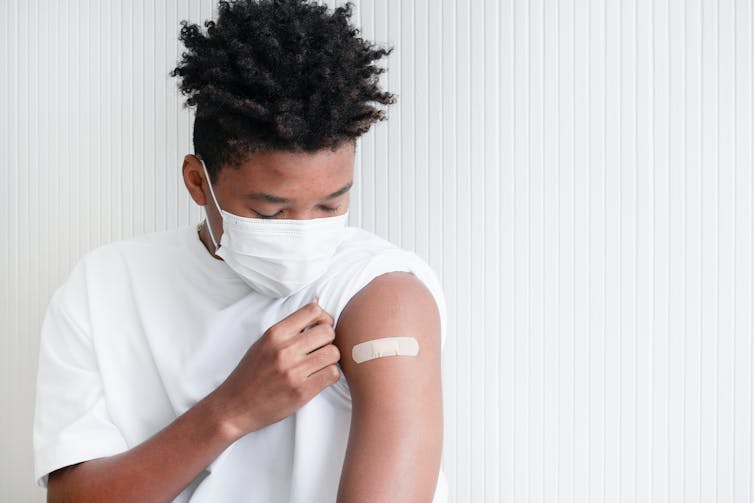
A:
[335,295]
[71,420]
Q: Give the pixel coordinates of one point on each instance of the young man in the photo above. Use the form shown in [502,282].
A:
[216,363]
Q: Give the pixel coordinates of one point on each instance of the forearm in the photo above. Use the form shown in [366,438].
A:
[156,470]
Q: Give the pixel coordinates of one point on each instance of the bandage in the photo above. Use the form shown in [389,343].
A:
[387,346]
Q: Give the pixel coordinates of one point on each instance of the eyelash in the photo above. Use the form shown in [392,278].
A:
[326,209]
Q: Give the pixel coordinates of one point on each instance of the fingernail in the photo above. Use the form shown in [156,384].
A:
[316,299]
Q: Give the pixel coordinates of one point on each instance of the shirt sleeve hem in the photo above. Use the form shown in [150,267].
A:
[84,448]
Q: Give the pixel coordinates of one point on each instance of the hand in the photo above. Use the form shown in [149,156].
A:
[285,368]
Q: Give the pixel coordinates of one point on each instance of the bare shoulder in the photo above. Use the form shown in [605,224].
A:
[394,304]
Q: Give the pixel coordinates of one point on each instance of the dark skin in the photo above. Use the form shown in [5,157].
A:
[395,442]
[307,181]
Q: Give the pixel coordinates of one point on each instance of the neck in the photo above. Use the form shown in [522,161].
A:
[206,240]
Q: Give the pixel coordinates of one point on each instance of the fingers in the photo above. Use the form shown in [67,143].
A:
[297,322]
[315,338]
[323,378]
[316,361]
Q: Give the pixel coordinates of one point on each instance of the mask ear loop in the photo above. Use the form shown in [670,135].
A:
[206,216]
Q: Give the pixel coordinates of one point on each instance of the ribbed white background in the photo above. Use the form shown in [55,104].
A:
[579,174]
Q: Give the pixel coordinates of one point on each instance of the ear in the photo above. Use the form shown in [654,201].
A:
[194,178]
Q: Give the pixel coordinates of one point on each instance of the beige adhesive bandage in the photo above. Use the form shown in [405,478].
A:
[387,346]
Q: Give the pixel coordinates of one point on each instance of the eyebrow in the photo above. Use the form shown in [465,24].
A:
[277,199]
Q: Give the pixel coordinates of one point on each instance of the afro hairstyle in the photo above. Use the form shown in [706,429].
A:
[278,75]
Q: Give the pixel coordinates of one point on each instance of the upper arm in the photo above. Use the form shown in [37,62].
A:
[59,481]
[395,443]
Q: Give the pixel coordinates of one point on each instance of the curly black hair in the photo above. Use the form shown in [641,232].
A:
[278,75]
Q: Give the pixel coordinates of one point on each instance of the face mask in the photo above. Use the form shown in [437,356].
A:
[277,257]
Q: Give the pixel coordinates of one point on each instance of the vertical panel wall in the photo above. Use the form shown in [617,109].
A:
[578,173]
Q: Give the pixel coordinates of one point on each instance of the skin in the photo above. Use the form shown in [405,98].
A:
[306,180]
[395,441]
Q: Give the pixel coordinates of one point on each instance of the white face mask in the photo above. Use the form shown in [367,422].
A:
[277,257]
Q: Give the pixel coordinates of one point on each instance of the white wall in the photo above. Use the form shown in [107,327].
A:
[579,173]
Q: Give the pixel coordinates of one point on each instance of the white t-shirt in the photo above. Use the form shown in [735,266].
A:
[146,327]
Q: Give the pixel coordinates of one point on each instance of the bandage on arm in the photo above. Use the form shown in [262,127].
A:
[386,346]
[396,420]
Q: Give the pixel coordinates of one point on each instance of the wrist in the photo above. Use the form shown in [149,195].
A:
[222,423]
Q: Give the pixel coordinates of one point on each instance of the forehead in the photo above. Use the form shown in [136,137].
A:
[292,175]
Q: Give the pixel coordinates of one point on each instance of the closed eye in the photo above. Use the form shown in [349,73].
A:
[267,216]
[326,209]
